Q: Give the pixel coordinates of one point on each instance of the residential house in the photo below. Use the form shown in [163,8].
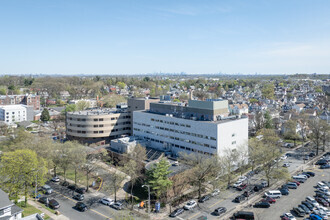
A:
[8,210]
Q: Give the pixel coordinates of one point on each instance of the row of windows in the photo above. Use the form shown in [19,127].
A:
[98,119]
[176,138]
[178,132]
[180,147]
[100,125]
[98,132]
[171,123]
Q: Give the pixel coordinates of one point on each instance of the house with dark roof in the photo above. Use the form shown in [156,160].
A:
[8,210]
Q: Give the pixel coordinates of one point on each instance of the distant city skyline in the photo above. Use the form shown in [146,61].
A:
[136,37]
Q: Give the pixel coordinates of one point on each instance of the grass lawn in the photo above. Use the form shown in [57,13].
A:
[29,210]
[81,176]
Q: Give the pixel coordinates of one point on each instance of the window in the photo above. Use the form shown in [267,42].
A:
[101,132]
[100,126]
[234,142]
[95,126]
[101,119]
[95,132]
[233,135]
[95,119]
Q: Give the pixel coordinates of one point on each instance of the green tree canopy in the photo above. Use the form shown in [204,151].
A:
[45,115]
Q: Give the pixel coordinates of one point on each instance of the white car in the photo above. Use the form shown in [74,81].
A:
[322,185]
[55,179]
[106,201]
[286,165]
[313,201]
[242,178]
[190,205]
[283,157]
[326,210]
[215,192]
[289,216]
[237,184]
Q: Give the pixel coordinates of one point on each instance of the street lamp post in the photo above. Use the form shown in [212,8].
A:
[148,198]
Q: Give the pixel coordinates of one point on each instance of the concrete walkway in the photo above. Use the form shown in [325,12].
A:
[46,212]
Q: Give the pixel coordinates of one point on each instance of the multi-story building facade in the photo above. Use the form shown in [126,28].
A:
[202,127]
[11,114]
[29,100]
[98,125]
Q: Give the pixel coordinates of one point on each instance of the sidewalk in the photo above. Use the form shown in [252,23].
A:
[46,212]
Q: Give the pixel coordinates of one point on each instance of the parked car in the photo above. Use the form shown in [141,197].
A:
[247,193]
[46,189]
[79,197]
[284,191]
[258,187]
[296,182]
[322,195]
[215,192]
[81,206]
[312,154]
[284,157]
[291,185]
[288,216]
[241,187]
[55,179]
[299,211]
[243,215]
[322,201]
[242,178]
[219,211]
[314,217]
[176,212]
[324,191]
[312,174]
[312,201]
[305,208]
[262,205]
[322,185]
[321,162]
[306,174]
[65,183]
[325,166]
[238,183]
[190,205]
[117,205]
[308,205]
[269,200]
[53,204]
[72,187]
[239,198]
[204,198]
[43,200]
[320,213]
[286,165]
[81,190]
[106,201]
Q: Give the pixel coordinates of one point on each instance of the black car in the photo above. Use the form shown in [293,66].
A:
[306,174]
[219,211]
[177,212]
[258,188]
[43,200]
[312,174]
[325,166]
[72,187]
[117,206]
[308,205]
[79,197]
[53,204]
[312,154]
[321,162]
[322,195]
[239,198]
[204,198]
[262,205]
[243,215]
[81,206]
[81,190]
[284,191]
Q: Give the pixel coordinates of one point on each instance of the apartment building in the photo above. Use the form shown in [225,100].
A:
[11,114]
[99,125]
[201,126]
[29,100]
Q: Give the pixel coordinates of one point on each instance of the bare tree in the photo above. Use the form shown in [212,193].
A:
[228,162]
[325,130]
[316,133]
[114,185]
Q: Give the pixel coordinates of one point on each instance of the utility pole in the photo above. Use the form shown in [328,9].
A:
[148,198]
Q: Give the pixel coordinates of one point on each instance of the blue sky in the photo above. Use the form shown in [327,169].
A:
[139,36]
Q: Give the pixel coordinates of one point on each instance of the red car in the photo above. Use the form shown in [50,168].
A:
[298,184]
[269,200]
[241,187]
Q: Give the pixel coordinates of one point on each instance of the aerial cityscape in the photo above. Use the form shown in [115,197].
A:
[189,110]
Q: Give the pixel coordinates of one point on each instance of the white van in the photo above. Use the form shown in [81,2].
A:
[273,194]
[300,179]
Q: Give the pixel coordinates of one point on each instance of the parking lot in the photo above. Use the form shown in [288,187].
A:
[286,203]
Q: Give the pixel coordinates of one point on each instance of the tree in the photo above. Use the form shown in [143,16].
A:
[82,105]
[290,131]
[20,169]
[134,167]
[316,133]
[115,182]
[255,152]
[70,108]
[121,85]
[158,178]
[268,120]
[78,158]
[203,169]
[200,94]
[228,162]
[110,101]
[65,157]
[45,115]
[324,133]
[259,121]
[268,91]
